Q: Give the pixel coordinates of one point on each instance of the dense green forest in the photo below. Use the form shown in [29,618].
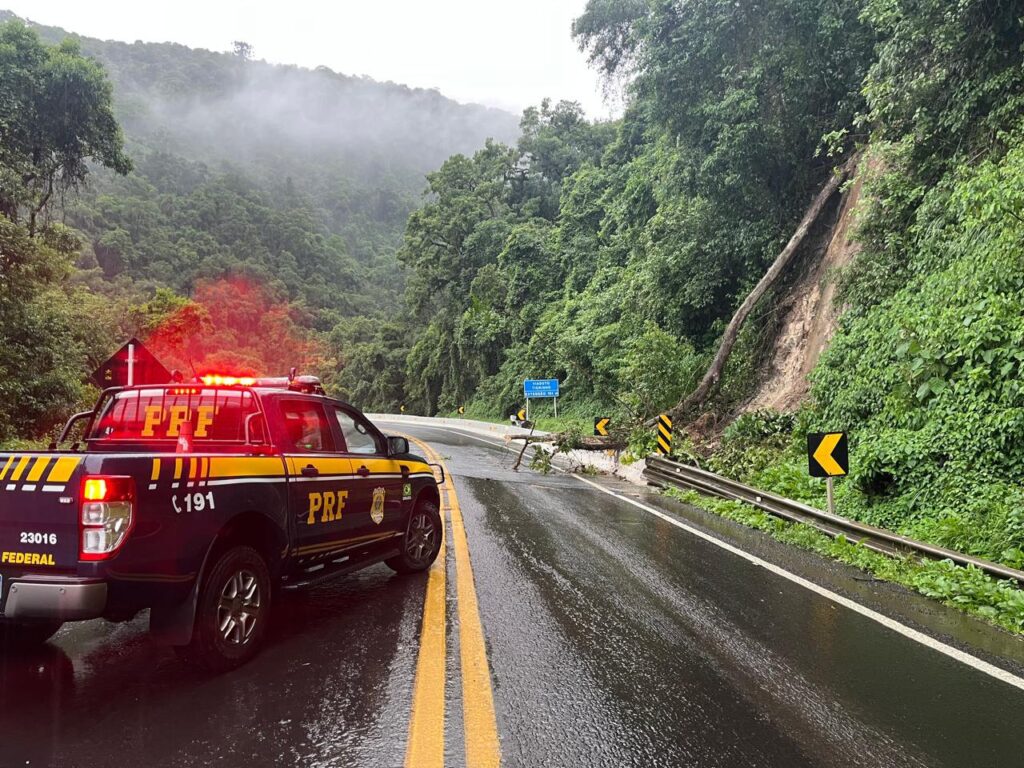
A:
[612,255]
[607,254]
[240,213]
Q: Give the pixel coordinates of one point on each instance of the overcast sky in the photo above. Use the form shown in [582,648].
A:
[504,53]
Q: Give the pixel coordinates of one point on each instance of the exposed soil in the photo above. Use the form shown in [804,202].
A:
[809,317]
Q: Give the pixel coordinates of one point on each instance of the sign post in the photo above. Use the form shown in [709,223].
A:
[828,456]
[540,388]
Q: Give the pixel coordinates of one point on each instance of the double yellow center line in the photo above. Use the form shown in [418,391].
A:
[426,724]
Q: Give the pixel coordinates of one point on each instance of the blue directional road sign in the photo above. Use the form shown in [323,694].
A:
[534,388]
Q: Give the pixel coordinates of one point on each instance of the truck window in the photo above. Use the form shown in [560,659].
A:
[306,427]
[358,437]
[214,415]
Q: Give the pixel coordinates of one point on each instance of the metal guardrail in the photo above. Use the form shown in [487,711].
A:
[665,472]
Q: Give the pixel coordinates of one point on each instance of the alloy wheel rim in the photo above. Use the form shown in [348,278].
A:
[239,607]
[421,539]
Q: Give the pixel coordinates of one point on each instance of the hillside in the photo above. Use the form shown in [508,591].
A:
[320,171]
[617,253]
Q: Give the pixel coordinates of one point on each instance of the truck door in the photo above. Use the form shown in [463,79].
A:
[320,483]
[380,482]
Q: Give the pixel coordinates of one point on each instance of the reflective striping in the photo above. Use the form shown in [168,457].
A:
[152,486]
[28,487]
[324,465]
[37,469]
[11,486]
[154,475]
[341,543]
[7,464]
[18,469]
[193,468]
[241,466]
[53,488]
[241,481]
[177,471]
[206,467]
[63,468]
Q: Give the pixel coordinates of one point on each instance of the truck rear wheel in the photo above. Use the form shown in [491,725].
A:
[422,540]
[24,635]
[232,612]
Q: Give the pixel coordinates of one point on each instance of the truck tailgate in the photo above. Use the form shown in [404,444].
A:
[39,512]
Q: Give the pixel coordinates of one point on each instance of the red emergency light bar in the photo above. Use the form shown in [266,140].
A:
[217,380]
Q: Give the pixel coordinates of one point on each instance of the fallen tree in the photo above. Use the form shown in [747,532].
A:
[707,384]
[566,441]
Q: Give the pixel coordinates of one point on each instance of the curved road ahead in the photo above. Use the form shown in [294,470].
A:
[592,631]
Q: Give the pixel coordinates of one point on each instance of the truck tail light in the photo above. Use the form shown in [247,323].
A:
[106,515]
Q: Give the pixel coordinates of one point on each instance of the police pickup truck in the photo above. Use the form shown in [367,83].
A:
[201,501]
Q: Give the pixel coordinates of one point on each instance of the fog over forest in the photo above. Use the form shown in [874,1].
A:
[219,106]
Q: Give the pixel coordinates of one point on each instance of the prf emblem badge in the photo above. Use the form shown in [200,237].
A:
[377,510]
[406,491]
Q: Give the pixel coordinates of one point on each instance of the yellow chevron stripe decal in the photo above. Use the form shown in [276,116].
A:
[63,469]
[10,460]
[18,469]
[37,469]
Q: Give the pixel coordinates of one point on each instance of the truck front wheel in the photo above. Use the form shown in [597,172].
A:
[422,540]
[232,612]
[24,635]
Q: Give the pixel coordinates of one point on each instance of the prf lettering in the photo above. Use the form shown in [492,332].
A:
[329,504]
[175,416]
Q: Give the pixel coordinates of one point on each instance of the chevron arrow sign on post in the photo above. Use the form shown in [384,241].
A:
[828,454]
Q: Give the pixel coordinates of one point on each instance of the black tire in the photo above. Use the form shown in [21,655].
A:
[422,540]
[26,635]
[232,612]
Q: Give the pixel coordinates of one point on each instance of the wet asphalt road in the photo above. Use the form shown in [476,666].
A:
[613,638]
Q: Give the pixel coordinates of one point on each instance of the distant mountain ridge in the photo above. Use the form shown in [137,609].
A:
[215,106]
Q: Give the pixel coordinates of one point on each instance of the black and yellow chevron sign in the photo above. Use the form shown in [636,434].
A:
[664,434]
[601,426]
[462,409]
[828,454]
[521,415]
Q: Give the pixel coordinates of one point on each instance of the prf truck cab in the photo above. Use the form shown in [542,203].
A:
[200,502]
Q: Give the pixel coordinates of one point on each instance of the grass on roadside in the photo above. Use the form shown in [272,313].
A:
[969,589]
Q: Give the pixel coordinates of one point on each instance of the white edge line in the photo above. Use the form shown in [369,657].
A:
[902,629]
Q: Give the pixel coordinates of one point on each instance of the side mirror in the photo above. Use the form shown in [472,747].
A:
[397,446]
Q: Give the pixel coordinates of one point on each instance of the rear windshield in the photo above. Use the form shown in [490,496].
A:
[213,415]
